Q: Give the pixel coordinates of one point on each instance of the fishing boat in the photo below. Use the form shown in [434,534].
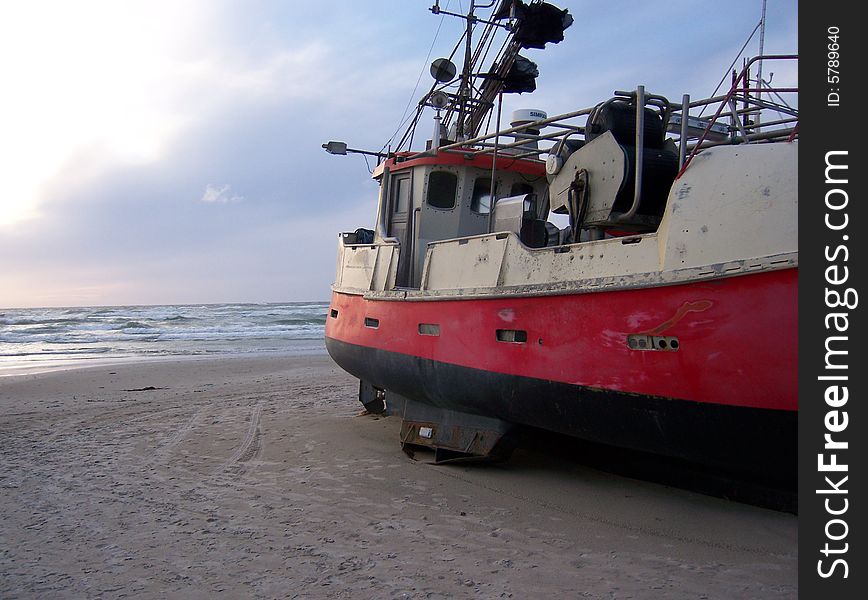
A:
[625,273]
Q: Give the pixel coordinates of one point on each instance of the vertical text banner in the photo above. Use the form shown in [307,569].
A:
[833,437]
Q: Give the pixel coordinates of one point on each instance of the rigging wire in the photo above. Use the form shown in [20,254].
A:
[782,102]
[421,106]
[412,129]
[497,58]
[488,123]
[479,55]
[768,84]
[415,118]
[735,60]
[491,37]
[418,79]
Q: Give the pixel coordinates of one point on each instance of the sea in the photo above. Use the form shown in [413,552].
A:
[35,340]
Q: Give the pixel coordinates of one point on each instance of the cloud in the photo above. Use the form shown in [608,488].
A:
[220,195]
[111,133]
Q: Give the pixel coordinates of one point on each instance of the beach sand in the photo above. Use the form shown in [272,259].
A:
[255,478]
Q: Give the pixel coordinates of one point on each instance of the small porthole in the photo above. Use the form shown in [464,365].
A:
[674,344]
[372,323]
[429,329]
[334,313]
[517,336]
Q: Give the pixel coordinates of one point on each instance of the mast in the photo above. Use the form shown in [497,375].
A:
[493,85]
[466,87]
[467,108]
[759,72]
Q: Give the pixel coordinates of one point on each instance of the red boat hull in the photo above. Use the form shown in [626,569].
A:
[727,393]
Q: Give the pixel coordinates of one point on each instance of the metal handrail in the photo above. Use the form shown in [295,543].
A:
[746,132]
[731,95]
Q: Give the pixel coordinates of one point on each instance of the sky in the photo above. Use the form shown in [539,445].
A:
[161,152]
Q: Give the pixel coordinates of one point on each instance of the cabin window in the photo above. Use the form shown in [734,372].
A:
[520,188]
[401,201]
[481,200]
[442,188]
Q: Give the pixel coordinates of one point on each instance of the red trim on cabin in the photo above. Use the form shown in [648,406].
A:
[480,161]
[738,342]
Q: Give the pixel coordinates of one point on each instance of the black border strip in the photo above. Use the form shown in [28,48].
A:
[830,122]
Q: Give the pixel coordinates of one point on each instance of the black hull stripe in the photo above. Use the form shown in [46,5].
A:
[748,439]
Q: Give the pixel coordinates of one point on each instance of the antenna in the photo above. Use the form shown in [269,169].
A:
[443,70]
[759,71]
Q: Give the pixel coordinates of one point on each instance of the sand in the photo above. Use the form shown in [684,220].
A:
[255,478]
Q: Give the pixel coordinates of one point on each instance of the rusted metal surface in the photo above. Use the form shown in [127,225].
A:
[451,434]
[688,307]
[372,398]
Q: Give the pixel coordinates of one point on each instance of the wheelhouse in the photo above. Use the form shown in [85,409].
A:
[429,199]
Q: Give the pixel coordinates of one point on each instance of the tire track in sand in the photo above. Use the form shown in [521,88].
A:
[250,446]
[180,433]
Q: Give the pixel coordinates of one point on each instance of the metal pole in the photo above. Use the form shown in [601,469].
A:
[464,90]
[759,71]
[536,124]
[745,104]
[435,141]
[699,144]
[685,116]
[741,128]
[766,135]
[640,154]
[733,119]
[491,199]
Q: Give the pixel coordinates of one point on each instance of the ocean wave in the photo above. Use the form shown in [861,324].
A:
[162,330]
[301,321]
[182,318]
[133,325]
[58,352]
[24,321]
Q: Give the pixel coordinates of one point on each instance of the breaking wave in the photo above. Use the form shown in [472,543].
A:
[162,330]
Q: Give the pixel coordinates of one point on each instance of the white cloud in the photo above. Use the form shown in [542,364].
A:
[79,77]
[220,195]
[109,105]
[102,85]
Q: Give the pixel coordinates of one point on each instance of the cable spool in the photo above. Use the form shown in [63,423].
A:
[619,117]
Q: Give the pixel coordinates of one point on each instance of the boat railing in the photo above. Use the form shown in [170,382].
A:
[752,105]
[742,116]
